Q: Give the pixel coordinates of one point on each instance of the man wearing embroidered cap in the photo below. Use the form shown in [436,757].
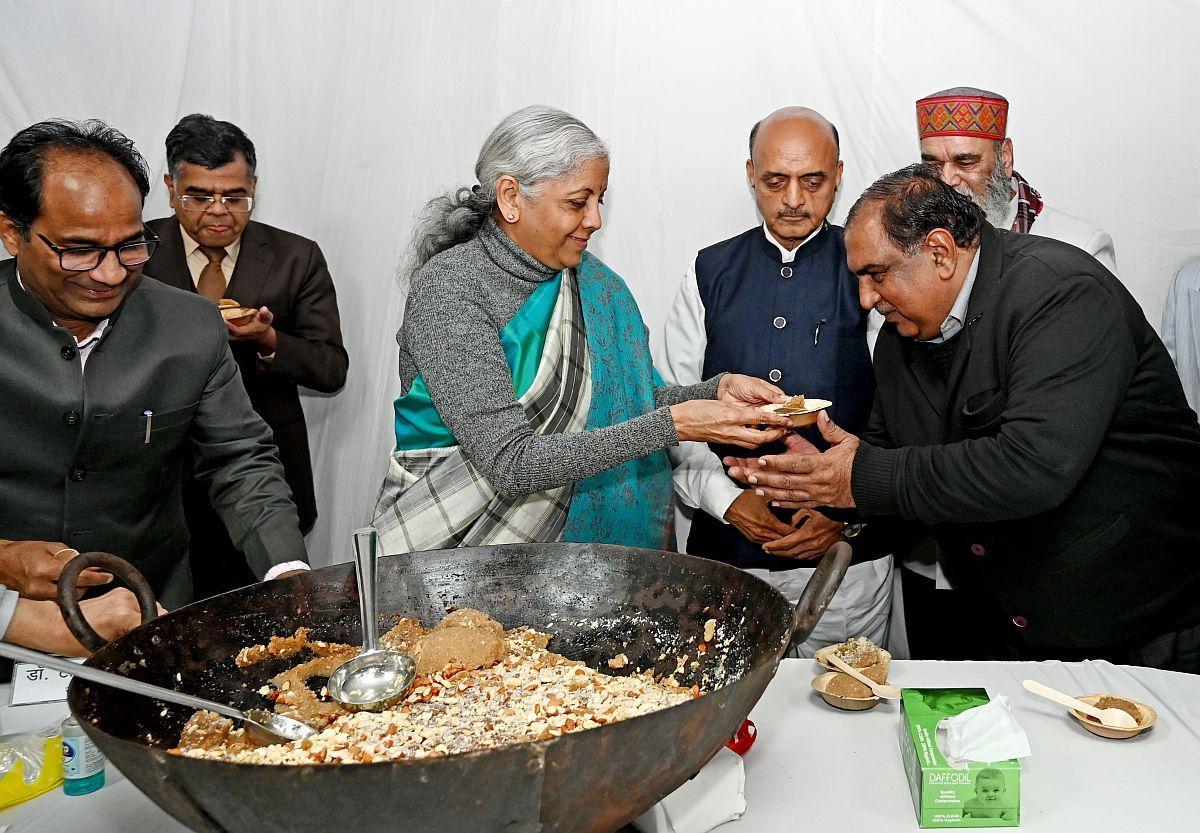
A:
[963,133]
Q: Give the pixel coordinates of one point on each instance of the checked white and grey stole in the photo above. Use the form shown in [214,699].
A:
[435,498]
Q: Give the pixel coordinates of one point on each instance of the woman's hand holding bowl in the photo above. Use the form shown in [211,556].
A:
[739,389]
[710,420]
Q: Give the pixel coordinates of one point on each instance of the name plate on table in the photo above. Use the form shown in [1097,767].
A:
[35,684]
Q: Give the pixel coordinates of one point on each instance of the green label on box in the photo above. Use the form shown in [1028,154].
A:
[953,793]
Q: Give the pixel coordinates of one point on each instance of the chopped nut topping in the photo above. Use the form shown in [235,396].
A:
[529,694]
[858,652]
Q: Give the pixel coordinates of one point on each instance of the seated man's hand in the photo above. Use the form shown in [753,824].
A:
[813,536]
[40,624]
[808,480]
[32,568]
[737,389]
[754,519]
[299,572]
[709,420]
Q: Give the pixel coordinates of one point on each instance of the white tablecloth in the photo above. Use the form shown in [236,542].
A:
[817,768]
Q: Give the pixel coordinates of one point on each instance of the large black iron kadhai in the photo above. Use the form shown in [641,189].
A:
[598,600]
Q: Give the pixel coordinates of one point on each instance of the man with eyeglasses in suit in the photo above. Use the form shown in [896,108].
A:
[109,382]
[211,247]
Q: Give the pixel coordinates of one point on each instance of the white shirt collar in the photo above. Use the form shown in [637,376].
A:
[958,313]
[789,255]
[84,344]
[89,339]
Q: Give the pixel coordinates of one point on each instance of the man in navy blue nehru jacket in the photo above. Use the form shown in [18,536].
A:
[778,302]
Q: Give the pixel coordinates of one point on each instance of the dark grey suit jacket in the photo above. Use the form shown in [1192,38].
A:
[75,465]
[287,273]
[1060,466]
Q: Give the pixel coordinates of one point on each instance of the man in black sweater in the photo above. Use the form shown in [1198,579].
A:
[1027,413]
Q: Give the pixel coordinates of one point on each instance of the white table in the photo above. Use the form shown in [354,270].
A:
[817,768]
[814,767]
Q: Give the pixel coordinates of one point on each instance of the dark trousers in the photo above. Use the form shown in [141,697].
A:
[941,624]
[217,565]
[957,625]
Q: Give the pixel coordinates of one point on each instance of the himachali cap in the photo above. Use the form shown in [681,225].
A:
[982,117]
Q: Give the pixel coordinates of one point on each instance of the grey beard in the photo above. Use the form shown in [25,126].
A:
[996,197]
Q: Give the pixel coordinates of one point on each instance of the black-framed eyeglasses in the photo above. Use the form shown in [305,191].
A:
[198,202]
[87,258]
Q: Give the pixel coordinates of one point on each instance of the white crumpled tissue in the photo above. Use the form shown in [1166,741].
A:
[985,733]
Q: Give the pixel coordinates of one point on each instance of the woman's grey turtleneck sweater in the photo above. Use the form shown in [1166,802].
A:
[457,305]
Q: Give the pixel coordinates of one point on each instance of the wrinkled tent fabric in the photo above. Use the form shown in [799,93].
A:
[362,111]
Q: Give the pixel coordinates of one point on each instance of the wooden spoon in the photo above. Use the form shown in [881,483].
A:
[1115,718]
[887,692]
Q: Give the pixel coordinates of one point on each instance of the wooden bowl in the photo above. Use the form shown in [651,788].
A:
[1143,714]
[238,315]
[850,704]
[808,416]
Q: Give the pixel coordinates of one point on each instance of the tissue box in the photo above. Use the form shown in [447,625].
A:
[953,794]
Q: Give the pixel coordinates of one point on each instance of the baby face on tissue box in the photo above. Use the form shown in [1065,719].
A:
[960,751]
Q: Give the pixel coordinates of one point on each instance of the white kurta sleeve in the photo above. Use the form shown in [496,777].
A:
[1181,329]
[1101,247]
[8,608]
[700,479]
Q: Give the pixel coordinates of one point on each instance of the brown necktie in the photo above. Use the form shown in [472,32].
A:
[212,279]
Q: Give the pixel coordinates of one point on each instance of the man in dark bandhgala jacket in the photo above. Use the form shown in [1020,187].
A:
[110,382]
[777,302]
[1027,412]
[211,247]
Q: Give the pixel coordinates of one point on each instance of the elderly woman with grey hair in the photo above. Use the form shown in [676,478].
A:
[530,409]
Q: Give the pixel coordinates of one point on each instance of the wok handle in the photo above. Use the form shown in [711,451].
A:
[818,593]
[120,568]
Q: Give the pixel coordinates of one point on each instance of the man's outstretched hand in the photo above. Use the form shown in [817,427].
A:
[803,477]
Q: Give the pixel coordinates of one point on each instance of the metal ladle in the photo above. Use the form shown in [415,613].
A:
[262,727]
[376,678]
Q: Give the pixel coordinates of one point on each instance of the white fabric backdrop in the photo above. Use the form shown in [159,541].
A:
[363,110]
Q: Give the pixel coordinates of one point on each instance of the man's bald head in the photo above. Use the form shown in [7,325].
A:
[803,117]
[795,172]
